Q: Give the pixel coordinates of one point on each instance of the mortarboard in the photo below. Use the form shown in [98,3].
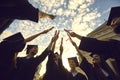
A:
[30,47]
[115,12]
[15,42]
[74,59]
[101,56]
[14,38]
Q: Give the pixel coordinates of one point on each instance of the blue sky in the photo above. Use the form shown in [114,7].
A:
[81,16]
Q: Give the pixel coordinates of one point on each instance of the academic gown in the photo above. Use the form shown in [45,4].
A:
[78,76]
[7,52]
[26,68]
[94,72]
[110,49]
[4,24]
[54,71]
[16,9]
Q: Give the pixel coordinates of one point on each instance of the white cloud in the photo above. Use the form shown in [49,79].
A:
[54,11]
[73,13]
[91,16]
[90,1]
[60,11]
[84,6]
[67,12]
[73,4]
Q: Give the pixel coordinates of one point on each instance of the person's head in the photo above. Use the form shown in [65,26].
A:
[73,62]
[96,58]
[32,49]
[114,19]
[116,25]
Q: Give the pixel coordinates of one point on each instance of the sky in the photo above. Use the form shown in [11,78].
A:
[80,16]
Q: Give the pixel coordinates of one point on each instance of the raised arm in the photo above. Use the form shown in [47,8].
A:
[84,65]
[61,47]
[36,35]
[73,34]
[56,36]
[46,52]
[44,15]
[76,47]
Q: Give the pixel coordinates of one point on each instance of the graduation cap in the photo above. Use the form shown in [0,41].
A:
[103,57]
[14,38]
[15,42]
[115,12]
[30,47]
[74,59]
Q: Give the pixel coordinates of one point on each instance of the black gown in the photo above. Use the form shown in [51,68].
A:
[110,49]
[26,68]
[79,76]
[16,9]
[8,48]
[54,71]
[95,73]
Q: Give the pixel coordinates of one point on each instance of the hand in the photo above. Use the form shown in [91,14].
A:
[52,16]
[44,15]
[72,34]
[73,43]
[56,35]
[61,46]
[36,35]
[46,31]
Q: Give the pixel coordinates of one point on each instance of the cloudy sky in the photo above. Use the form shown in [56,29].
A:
[81,16]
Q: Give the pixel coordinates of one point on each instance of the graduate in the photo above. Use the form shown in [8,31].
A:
[26,66]
[74,74]
[98,70]
[54,67]
[9,48]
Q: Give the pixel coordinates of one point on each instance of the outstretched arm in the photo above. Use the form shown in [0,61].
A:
[84,65]
[36,35]
[61,47]
[73,34]
[76,47]
[46,52]
[44,15]
[51,46]
[51,55]
[56,36]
